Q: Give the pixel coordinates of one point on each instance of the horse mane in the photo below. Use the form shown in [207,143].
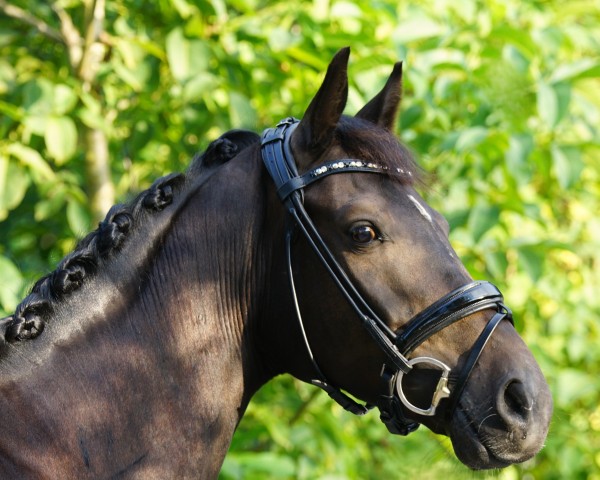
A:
[99,246]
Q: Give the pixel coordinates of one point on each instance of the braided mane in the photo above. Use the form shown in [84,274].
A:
[106,241]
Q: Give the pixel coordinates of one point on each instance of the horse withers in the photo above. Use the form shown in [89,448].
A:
[307,251]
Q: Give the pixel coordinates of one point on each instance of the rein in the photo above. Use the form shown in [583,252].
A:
[458,304]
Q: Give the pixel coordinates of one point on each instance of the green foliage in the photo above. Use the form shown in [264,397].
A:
[501,103]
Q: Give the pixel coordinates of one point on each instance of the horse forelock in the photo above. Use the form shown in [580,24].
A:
[101,247]
[366,141]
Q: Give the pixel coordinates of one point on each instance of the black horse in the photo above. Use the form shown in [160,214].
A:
[308,252]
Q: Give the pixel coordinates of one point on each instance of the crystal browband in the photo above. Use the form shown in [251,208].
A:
[336,166]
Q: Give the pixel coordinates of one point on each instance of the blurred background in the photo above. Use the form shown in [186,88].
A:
[501,104]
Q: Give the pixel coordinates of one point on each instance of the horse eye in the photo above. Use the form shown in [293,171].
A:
[363,234]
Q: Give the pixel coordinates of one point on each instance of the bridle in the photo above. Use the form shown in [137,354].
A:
[460,303]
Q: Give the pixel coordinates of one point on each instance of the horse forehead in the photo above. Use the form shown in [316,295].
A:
[367,191]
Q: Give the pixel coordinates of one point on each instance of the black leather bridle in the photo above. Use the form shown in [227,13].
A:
[460,303]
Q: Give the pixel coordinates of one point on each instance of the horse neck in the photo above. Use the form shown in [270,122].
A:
[154,371]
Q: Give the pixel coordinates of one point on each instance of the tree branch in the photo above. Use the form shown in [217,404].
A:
[70,35]
[98,174]
[93,51]
[97,162]
[26,17]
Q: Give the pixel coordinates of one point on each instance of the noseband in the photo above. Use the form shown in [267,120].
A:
[458,304]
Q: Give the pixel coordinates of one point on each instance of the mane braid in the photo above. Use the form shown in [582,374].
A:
[99,246]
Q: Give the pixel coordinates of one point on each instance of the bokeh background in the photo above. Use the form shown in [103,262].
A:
[501,104]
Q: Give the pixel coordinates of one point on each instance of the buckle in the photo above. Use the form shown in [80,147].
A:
[441,390]
[287,121]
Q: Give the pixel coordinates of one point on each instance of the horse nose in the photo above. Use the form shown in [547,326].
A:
[515,406]
[515,403]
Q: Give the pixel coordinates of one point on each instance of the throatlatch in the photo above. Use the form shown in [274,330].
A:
[458,304]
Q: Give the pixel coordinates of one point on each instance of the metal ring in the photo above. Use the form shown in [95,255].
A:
[441,390]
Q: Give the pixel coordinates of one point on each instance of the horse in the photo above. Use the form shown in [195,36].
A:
[306,251]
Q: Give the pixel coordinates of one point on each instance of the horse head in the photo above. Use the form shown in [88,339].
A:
[387,311]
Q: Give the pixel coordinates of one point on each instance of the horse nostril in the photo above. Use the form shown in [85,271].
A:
[518,400]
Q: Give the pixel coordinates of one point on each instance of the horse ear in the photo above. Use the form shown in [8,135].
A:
[315,131]
[383,108]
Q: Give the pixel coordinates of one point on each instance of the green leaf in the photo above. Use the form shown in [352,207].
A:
[516,58]
[50,206]
[184,8]
[532,260]
[38,97]
[481,219]
[199,86]
[496,263]
[11,283]
[63,100]
[14,111]
[504,33]
[573,385]
[35,124]
[457,218]
[241,112]
[13,185]
[568,164]
[7,72]
[79,218]
[220,9]
[547,104]
[418,28]
[178,54]
[186,57]
[470,138]
[342,9]
[577,347]
[91,113]
[134,78]
[563,95]
[280,39]
[520,146]
[312,59]
[32,159]
[61,138]
[584,68]
[410,116]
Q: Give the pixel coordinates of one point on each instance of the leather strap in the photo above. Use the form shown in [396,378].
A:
[458,304]
[467,369]
[338,166]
